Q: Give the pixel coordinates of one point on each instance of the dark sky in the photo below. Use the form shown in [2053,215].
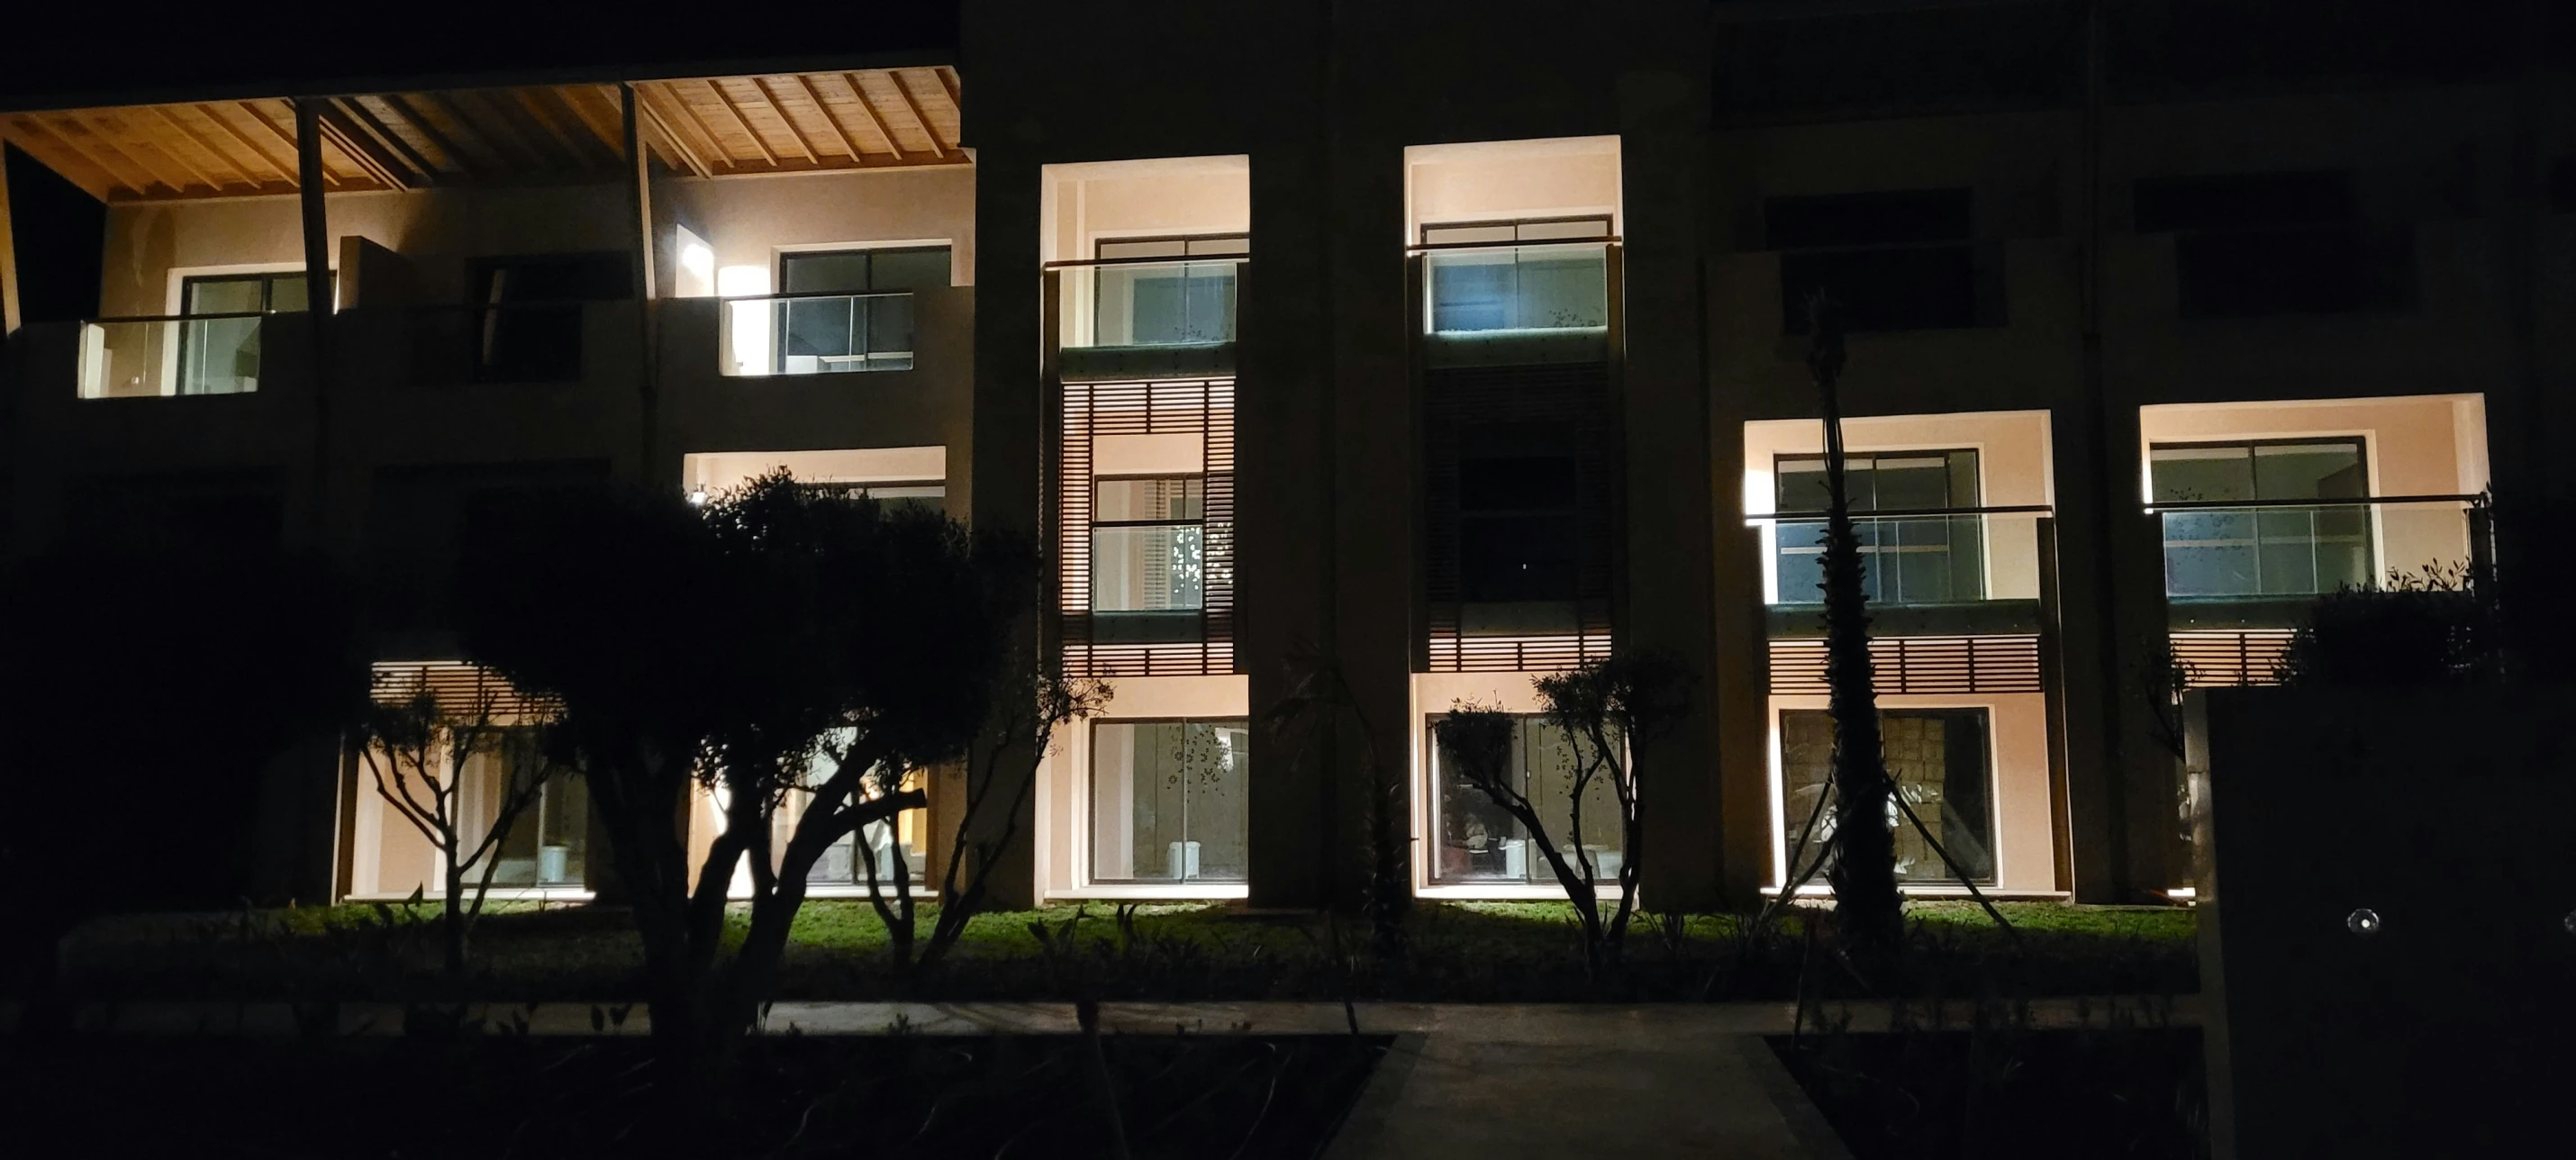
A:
[284,46]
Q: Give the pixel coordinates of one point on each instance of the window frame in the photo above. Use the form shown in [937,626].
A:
[182,371]
[1238,251]
[1780,550]
[2367,511]
[859,330]
[1090,835]
[1784,842]
[1093,559]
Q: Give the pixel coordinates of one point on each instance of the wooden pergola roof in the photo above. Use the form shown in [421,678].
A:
[708,127]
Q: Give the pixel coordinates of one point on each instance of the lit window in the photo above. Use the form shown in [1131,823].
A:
[1169,801]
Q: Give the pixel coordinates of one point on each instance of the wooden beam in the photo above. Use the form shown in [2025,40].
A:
[671,138]
[948,84]
[292,148]
[192,138]
[334,127]
[936,149]
[99,133]
[875,121]
[446,145]
[740,123]
[856,157]
[793,133]
[94,179]
[656,95]
[532,101]
[209,112]
[494,121]
[74,146]
[384,135]
[10,310]
[484,156]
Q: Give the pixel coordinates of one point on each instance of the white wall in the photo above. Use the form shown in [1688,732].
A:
[1499,180]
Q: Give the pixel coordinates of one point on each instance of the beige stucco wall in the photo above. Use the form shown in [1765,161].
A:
[1498,180]
[1064,782]
[2418,445]
[2025,850]
[749,221]
[2012,471]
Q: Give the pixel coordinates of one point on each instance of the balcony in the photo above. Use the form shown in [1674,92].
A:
[1149,317]
[1516,305]
[1965,571]
[816,334]
[2259,564]
[169,355]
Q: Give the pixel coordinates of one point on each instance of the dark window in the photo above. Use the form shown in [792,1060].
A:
[528,325]
[1905,560]
[1894,261]
[1939,759]
[219,355]
[855,313]
[2254,244]
[1518,527]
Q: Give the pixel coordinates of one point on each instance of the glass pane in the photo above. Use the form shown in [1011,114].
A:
[1938,760]
[1806,764]
[2210,553]
[1801,485]
[909,270]
[2197,474]
[226,295]
[1151,498]
[219,356]
[819,329]
[1563,289]
[1471,291]
[1802,562]
[2310,471]
[1148,568]
[1550,764]
[286,294]
[1169,801]
[889,330]
[844,272]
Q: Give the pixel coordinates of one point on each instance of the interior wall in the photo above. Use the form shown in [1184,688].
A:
[2025,847]
[2417,445]
[715,472]
[1088,201]
[2012,471]
[1064,781]
[1494,180]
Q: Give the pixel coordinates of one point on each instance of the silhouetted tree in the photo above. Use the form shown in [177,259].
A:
[1605,709]
[143,692]
[419,751]
[1868,914]
[778,642]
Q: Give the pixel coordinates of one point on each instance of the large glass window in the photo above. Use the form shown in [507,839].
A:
[1141,301]
[528,316]
[1504,276]
[1519,526]
[1905,559]
[1940,761]
[851,310]
[545,844]
[2274,546]
[220,355]
[1169,800]
[1481,842]
[1149,544]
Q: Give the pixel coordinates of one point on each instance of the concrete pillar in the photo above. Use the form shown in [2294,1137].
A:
[1695,858]
[1010,425]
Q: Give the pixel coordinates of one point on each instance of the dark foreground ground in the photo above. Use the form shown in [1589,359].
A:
[489,1097]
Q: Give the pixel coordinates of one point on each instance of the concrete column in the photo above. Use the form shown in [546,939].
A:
[1688,793]
[1284,402]
[1010,430]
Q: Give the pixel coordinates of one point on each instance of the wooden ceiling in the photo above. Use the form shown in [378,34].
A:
[707,127]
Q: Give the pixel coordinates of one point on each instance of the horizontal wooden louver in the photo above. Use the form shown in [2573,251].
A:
[2223,660]
[465,692]
[1917,664]
[1197,407]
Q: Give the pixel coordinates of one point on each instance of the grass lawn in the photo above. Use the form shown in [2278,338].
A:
[1456,952]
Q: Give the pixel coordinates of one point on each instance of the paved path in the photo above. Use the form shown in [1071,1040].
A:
[1488,1081]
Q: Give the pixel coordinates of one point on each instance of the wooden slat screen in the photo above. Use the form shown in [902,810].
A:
[1202,407]
[463,690]
[2221,660]
[1917,664]
[1573,397]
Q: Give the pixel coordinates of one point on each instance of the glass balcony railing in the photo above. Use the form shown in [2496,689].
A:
[2255,562]
[181,354]
[1502,290]
[1928,571]
[1117,303]
[817,333]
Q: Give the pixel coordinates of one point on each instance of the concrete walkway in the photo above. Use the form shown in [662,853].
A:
[1489,1081]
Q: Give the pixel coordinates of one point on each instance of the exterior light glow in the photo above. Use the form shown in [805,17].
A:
[2364,922]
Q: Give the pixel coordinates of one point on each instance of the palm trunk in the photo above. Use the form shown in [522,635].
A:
[1867,911]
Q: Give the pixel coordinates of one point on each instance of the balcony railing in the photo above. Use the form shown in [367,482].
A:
[2258,563]
[1961,566]
[171,354]
[816,333]
[1149,302]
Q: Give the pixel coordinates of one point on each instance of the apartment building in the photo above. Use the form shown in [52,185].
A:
[1402,352]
